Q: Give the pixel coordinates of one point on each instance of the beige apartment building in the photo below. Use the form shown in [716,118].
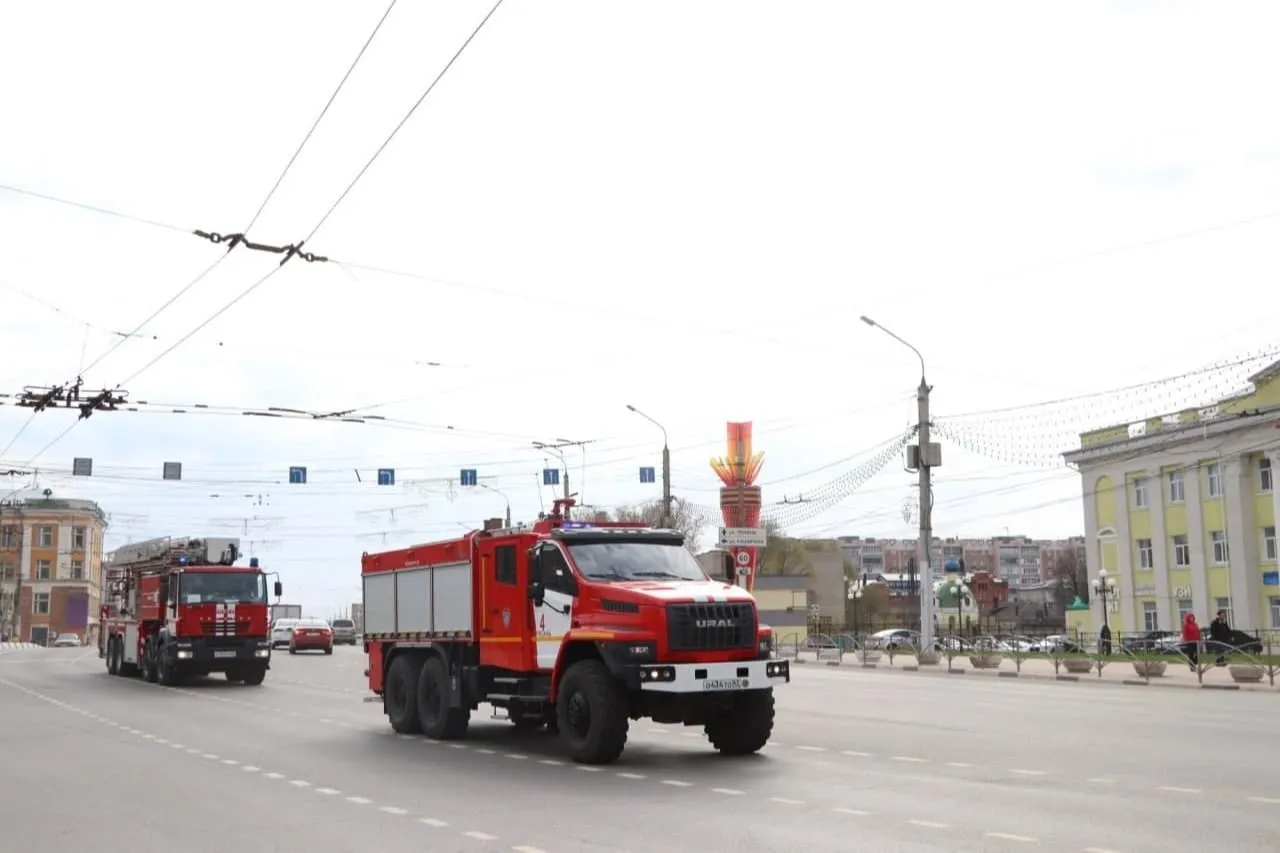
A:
[50,567]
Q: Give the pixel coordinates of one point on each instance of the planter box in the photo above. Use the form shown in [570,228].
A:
[1247,673]
[928,658]
[869,656]
[985,661]
[1150,668]
[1079,666]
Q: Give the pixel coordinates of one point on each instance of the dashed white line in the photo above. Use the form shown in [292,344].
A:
[359,801]
[431,821]
[631,775]
[731,792]
[855,812]
[676,783]
[811,748]
[328,792]
[927,824]
[1270,801]
[1009,836]
[275,775]
[587,768]
[785,801]
[524,848]
[456,745]
[516,756]
[1018,772]
[480,836]
[249,768]
[299,783]
[910,759]
[959,764]
[487,751]
[1100,850]
[551,762]
[1100,780]
[395,810]
[1174,789]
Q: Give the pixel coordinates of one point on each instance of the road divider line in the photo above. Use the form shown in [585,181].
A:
[676,783]
[730,792]
[1009,836]
[1174,789]
[927,824]
[1270,801]
[910,759]
[855,812]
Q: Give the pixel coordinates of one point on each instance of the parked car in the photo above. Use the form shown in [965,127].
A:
[282,632]
[893,638]
[311,635]
[344,631]
[67,641]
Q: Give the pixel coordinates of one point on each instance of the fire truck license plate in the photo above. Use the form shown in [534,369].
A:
[224,654]
[725,684]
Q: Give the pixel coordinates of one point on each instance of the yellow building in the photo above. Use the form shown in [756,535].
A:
[1181,511]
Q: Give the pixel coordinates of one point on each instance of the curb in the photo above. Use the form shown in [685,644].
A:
[1127,682]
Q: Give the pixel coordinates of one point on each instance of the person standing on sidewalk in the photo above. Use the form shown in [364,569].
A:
[1191,640]
[1220,636]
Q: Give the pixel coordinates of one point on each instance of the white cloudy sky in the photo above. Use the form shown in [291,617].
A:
[681,206]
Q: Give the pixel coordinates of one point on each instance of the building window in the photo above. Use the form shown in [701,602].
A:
[1275,611]
[1150,616]
[77,569]
[44,538]
[40,604]
[1269,544]
[1265,481]
[1219,540]
[1213,476]
[1181,552]
[1185,606]
[8,537]
[1176,492]
[78,538]
[44,570]
[7,572]
[1223,604]
[1139,491]
[1145,558]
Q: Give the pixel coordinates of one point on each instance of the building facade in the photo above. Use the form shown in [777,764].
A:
[50,567]
[1181,511]
[1019,561]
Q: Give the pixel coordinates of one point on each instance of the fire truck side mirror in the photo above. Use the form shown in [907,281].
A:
[279,590]
[730,568]
[536,587]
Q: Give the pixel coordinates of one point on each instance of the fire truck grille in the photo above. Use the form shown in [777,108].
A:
[226,629]
[710,627]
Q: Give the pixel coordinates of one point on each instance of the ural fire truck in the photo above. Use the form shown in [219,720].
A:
[176,607]
[575,627]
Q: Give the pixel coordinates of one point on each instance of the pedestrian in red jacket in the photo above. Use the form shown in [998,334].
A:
[1191,639]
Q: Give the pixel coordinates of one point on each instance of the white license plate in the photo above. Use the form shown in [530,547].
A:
[725,684]
[226,654]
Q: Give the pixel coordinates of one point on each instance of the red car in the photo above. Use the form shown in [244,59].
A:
[313,635]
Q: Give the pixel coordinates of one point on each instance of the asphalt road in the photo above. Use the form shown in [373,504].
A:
[863,761]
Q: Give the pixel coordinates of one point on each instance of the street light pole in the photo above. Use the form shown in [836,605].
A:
[505,499]
[924,465]
[666,467]
[1104,587]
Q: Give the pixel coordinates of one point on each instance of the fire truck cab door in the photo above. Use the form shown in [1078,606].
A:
[552,617]
[505,630]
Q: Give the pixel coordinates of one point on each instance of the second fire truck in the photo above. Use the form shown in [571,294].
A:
[574,627]
[178,607]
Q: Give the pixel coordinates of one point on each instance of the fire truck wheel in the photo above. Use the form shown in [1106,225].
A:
[254,677]
[746,728]
[591,712]
[400,694]
[437,719]
[166,673]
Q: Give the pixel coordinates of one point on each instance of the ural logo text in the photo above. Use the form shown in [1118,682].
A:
[714,623]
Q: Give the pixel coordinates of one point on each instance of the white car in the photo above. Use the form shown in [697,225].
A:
[282,632]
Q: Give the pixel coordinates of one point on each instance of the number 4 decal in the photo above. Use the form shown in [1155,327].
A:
[542,624]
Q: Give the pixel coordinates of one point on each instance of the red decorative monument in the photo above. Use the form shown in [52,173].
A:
[740,497]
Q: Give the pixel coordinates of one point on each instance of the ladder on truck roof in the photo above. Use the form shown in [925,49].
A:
[160,555]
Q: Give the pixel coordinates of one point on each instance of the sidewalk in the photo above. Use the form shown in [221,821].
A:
[4,647]
[1116,671]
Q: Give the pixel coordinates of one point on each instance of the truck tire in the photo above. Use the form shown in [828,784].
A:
[746,728]
[591,713]
[400,694]
[166,673]
[437,719]
[253,677]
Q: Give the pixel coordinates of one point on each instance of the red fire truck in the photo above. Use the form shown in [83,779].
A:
[176,607]
[578,627]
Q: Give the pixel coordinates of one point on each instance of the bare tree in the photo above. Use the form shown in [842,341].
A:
[1071,575]
[685,517]
[783,555]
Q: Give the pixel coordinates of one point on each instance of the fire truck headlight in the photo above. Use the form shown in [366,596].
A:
[658,673]
[183,654]
[262,653]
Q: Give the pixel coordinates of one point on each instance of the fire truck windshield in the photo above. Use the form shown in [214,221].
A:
[635,561]
[197,587]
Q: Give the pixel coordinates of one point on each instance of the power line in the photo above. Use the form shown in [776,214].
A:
[332,97]
[93,208]
[430,88]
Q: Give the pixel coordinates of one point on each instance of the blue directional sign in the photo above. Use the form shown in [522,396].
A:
[647,475]
[386,476]
[467,477]
[550,476]
[298,475]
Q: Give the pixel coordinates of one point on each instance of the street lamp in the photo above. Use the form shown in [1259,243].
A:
[666,466]
[505,499]
[957,589]
[1104,586]
[924,465]
[855,595]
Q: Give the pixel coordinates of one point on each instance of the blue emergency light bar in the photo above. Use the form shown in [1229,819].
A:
[253,562]
[577,525]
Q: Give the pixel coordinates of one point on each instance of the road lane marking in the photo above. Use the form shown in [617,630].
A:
[395,810]
[1174,789]
[1018,772]
[631,775]
[855,812]
[359,801]
[551,762]
[1009,836]
[524,848]
[480,836]
[328,792]
[853,753]
[812,748]
[299,783]
[785,801]
[487,751]
[249,768]
[730,792]
[1100,850]
[676,783]
[1100,780]
[910,759]
[515,756]
[959,764]
[587,768]
[927,824]
[1270,801]
[275,775]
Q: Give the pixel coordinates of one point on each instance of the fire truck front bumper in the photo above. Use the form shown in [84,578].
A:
[729,677]
[217,653]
